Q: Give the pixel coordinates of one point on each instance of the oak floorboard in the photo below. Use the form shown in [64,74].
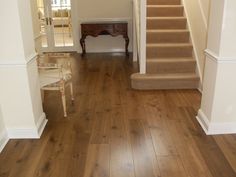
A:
[192,159]
[218,165]
[171,166]
[98,161]
[141,154]
[156,118]
[227,144]
[121,161]
[150,147]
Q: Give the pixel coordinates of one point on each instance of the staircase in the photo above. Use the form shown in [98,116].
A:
[169,52]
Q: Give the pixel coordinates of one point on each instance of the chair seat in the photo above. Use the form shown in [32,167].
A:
[52,77]
[56,76]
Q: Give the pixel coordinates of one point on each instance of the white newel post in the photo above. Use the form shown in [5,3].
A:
[20,97]
[135,47]
[218,108]
[143,27]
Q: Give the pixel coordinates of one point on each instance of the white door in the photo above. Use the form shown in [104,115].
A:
[55,25]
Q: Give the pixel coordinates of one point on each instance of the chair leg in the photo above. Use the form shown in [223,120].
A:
[42,95]
[63,97]
[72,92]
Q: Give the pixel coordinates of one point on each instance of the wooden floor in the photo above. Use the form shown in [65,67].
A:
[114,131]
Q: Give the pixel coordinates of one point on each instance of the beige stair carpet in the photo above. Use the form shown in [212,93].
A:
[170,63]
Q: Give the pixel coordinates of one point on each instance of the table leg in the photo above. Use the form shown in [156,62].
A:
[82,43]
[126,44]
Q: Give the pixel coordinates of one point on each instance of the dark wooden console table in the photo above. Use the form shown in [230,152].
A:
[104,28]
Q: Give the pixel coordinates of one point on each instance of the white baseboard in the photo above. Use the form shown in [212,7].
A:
[200,87]
[3,139]
[203,121]
[215,128]
[41,124]
[118,50]
[28,133]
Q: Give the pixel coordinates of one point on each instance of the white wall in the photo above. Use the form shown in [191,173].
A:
[218,108]
[12,27]
[20,98]
[205,6]
[197,12]
[228,38]
[2,126]
[215,27]
[225,99]
[3,132]
[104,8]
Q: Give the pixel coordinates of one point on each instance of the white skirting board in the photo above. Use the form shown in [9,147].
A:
[215,128]
[3,139]
[28,133]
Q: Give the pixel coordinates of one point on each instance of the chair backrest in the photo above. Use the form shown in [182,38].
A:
[50,73]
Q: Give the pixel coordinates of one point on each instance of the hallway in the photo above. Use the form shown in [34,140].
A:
[114,131]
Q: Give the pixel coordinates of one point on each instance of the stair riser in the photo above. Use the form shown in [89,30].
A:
[167,37]
[166,23]
[165,84]
[171,67]
[168,52]
[163,2]
[165,11]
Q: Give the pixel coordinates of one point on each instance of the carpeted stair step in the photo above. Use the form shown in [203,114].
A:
[166,22]
[172,65]
[165,10]
[169,50]
[163,2]
[167,36]
[164,81]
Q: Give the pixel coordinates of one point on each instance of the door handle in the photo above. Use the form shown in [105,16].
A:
[50,21]
[46,21]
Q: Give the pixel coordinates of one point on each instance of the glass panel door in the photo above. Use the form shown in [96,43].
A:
[55,25]
[43,23]
[62,24]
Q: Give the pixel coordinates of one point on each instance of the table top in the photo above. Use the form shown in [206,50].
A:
[104,22]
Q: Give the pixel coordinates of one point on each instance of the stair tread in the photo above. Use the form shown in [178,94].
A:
[168,44]
[164,2]
[165,76]
[160,60]
[173,58]
[165,18]
[165,6]
[166,30]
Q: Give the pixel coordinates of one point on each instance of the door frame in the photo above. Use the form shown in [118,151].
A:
[49,29]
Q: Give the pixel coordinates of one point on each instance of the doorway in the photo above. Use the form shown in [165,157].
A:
[55,25]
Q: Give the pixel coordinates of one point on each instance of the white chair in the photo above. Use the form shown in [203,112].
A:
[56,77]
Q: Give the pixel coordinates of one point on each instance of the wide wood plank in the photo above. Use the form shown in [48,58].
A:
[218,165]
[97,164]
[141,155]
[227,144]
[171,166]
[121,161]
